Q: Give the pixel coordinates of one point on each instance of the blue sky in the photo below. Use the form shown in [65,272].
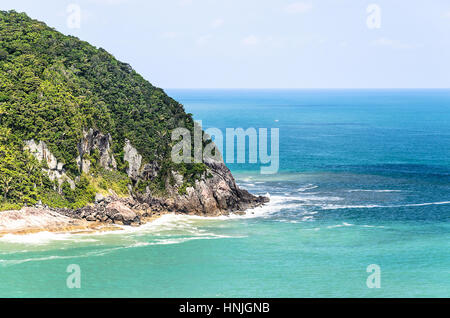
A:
[265,44]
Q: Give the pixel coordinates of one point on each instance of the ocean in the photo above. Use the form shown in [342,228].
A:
[363,182]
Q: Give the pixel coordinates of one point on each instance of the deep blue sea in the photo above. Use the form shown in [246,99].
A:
[364,178]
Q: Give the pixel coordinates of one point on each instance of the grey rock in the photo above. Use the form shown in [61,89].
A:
[120,213]
[99,197]
[91,218]
[216,193]
[94,140]
[133,158]
[55,169]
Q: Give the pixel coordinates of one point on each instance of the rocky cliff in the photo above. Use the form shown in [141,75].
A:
[80,130]
[214,193]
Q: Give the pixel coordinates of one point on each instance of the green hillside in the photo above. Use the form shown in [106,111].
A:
[52,87]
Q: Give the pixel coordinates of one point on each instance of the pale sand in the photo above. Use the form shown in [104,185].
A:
[33,220]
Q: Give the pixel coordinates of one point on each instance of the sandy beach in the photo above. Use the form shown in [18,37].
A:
[33,220]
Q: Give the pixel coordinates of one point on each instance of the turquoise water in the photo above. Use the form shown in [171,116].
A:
[364,179]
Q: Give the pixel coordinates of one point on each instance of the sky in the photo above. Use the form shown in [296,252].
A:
[264,44]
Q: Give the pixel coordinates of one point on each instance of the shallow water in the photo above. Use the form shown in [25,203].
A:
[364,179]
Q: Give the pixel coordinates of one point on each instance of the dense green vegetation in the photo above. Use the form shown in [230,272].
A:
[19,172]
[53,86]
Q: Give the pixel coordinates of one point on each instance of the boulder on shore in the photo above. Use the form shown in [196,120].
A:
[120,213]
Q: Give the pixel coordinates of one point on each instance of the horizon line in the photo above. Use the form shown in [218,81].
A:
[300,88]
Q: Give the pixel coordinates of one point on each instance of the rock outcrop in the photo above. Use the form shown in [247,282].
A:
[134,159]
[112,210]
[215,193]
[94,140]
[54,169]
[120,213]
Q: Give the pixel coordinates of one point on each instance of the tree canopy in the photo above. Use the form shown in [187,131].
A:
[53,86]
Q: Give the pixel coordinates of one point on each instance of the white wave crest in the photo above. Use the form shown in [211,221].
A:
[344,224]
[380,191]
[41,238]
[371,206]
[307,187]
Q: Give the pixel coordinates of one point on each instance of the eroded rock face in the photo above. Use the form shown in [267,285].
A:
[216,193]
[95,140]
[134,159]
[92,140]
[149,171]
[219,193]
[41,152]
[55,169]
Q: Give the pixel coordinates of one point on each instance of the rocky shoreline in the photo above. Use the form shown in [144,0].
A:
[214,193]
[113,210]
[33,220]
[106,214]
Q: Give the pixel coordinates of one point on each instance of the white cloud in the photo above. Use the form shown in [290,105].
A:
[202,40]
[386,42]
[447,14]
[298,7]
[250,40]
[217,23]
